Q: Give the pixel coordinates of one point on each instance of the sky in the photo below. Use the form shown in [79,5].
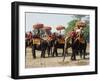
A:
[48,19]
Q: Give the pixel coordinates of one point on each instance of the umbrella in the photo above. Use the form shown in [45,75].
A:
[59,28]
[47,28]
[38,26]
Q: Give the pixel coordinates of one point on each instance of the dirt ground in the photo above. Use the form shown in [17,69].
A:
[53,61]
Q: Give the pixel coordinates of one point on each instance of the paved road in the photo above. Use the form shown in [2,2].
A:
[52,61]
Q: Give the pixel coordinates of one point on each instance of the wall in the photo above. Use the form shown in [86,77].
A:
[5,40]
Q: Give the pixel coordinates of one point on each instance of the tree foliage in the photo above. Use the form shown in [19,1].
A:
[86,33]
[71,26]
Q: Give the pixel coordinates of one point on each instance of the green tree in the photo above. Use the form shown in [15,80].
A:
[71,26]
[86,33]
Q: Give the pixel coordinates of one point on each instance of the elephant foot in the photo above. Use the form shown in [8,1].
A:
[48,55]
[81,57]
[43,56]
[53,56]
[34,57]
[73,59]
[56,55]
[84,58]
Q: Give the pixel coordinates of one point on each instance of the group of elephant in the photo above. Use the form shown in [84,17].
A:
[51,46]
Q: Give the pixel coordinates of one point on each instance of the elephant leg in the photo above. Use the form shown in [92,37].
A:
[81,54]
[73,57]
[77,52]
[63,52]
[72,54]
[53,54]
[42,53]
[66,51]
[84,53]
[56,52]
[33,52]
[64,55]
[48,50]
[51,50]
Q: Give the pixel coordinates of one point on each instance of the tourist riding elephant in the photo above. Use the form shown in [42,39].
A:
[78,45]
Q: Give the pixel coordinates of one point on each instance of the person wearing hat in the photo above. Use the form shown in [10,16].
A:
[80,31]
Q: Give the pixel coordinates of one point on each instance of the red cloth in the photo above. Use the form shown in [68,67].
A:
[30,36]
[73,34]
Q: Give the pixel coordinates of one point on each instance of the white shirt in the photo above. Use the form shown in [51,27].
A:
[78,30]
